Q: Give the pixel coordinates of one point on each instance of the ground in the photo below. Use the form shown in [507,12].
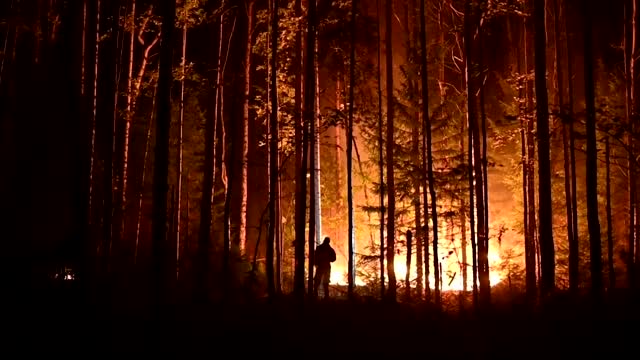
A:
[65,325]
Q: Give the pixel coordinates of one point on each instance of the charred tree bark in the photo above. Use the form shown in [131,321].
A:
[127,122]
[208,178]
[612,274]
[631,56]
[243,138]
[273,151]
[161,245]
[472,119]
[547,282]
[380,153]
[352,80]
[391,192]
[407,277]
[574,257]
[429,153]
[592,157]
[565,132]
[308,111]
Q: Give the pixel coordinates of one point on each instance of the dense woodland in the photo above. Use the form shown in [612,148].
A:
[462,155]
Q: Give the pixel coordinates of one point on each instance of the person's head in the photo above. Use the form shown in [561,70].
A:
[326,240]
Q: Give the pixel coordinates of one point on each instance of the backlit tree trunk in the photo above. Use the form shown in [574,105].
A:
[208,178]
[161,245]
[183,66]
[631,55]
[243,146]
[127,121]
[391,193]
[592,158]
[352,73]
[472,120]
[380,151]
[574,256]
[429,153]
[273,151]
[612,274]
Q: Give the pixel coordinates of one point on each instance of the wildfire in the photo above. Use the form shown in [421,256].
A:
[451,270]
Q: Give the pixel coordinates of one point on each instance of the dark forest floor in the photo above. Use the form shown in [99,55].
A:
[65,325]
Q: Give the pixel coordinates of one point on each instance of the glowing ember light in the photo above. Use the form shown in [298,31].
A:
[450,261]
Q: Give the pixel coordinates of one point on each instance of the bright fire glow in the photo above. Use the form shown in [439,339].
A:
[451,277]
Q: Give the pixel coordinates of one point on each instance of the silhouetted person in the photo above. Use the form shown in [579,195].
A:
[324,256]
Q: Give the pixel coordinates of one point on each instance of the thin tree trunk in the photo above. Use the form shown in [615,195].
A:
[312,129]
[631,48]
[147,144]
[161,248]
[352,81]
[309,98]
[183,65]
[273,151]
[127,121]
[316,188]
[300,207]
[415,138]
[472,121]
[407,277]
[244,136]
[208,179]
[391,192]
[566,144]
[380,153]
[95,6]
[612,274]
[573,243]
[484,256]
[530,246]
[547,252]
[429,153]
[106,121]
[592,158]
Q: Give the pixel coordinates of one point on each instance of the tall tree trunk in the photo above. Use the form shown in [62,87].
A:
[105,120]
[530,274]
[415,138]
[631,55]
[391,192]
[183,66]
[208,178]
[312,194]
[147,145]
[380,152]
[127,121]
[161,245]
[472,115]
[312,128]
[244,134]
[547,282]
[309,97]
[429,153]
[273,150]
[565,136]
[88,98]
[315,189]
[483,257]
[407,276]
[592,158]
[574,259]
[300,208]
[612,274]
[530,245]
[352,81]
